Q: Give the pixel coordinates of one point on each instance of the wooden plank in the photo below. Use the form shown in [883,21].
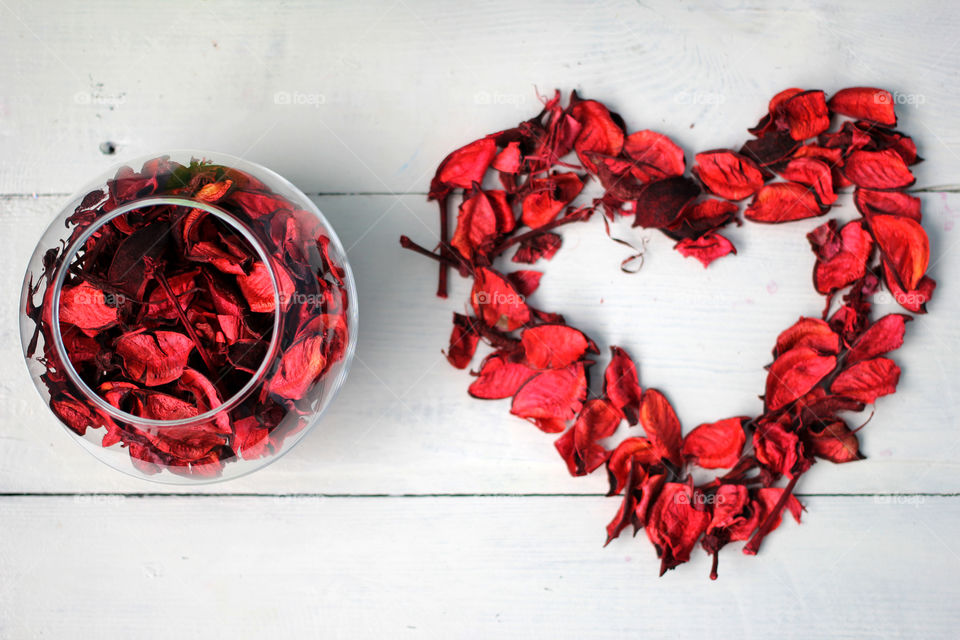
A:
[469,567]
[404,423]
[369,96]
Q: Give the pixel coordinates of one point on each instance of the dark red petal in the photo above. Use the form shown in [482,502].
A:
[783,202]
[878,170]
[728,174]
[661,426]
[544,245]
[866,103]
[706,248]
[499,377]
[556,394]
[779,450]
[674,524]
[525,281]
[463,342]
[715,445]
[660,203]
[553,346]
[622,385]
[835,442]
[154,358]
[793,374]
[868,380]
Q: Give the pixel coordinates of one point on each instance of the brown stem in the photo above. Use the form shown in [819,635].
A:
[444,260]
[168,290]
[444,234]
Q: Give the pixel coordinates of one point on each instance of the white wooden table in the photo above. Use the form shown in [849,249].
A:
[413,510]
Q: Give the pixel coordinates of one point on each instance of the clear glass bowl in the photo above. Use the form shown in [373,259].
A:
[188,317]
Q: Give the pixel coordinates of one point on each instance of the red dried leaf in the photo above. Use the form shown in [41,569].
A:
[548,197]
[463,342]
[661,425]
[675,524]
[813,173]
[793,374]
[811,333]
[659,203]
[904,245]
[728,174]
[654,155]
[866,103]
[499,377]
[598,131]
[805,114]
[706,248]
[476,224]
[841,257]
[525,281]
[463,167]
[870,202]
[554,346]
[598,419]
[701,217]
[783,202]
[257,288]
[554,394]
[622,384]
[883,336]
[300,366]
[878,170]
[637,451]
[835,442]
[715,445]
[779,450]
[543,245]
[496,302]
[867,380]
[84,306]
[154,358]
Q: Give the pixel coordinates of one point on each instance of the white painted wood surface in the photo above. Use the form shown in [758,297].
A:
[378,93]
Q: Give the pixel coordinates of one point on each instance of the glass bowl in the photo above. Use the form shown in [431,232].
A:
[188,317]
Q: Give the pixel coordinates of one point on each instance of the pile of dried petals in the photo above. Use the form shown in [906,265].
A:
[791,169]
[167,312]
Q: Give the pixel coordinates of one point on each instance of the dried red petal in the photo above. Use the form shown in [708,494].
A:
[659,203]
[715,445]
[84,306]
[904,245]
[622,384]
[655,156]
[548,197]
[509,159]
[793,374]
[866,103]
[463,342]
[870,202]
[257,288]
[701,217]
[783,202]
[300,366]
[661,425]
[728,174]
[638,451]
[496,302]
[706,248]
[598,419]
[553,346]
[476,224]
[835,442]
[154,358]
[675,524]
[463,167]
[812,333]
[499,377]
[813,173]
[525,281]
[841,257]
[805,114]
[553,394]
[599,132]
[543,245]
[883,336]
[779,450]
[878,170]
[867,380]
